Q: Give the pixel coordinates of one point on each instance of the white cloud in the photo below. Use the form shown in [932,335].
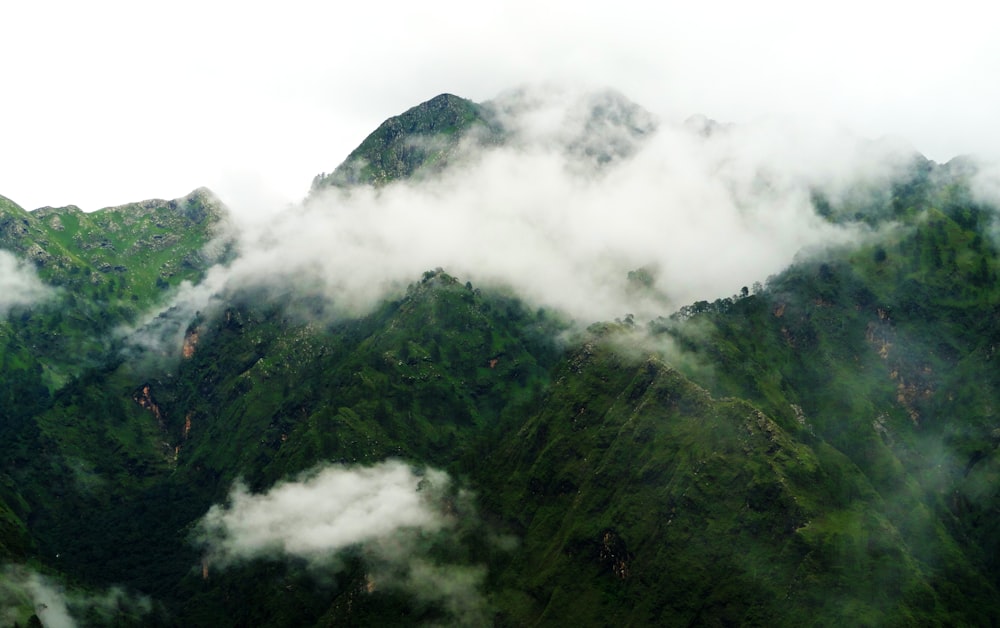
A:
[325,512]
[19,284]
[710,215]
[986,190]
[986,183]
[48,601]
[382,509]
[24,592]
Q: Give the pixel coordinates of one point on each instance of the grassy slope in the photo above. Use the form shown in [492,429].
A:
[642,500]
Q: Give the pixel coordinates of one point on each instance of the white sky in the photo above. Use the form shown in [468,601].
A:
[107,102]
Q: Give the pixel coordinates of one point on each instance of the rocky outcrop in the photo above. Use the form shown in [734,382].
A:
[614,555]
[144,397]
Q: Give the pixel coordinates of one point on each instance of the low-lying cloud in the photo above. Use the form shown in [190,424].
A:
[383,510]
[587,188]
[25,592]
[19,284]
[986,190]
[325,512]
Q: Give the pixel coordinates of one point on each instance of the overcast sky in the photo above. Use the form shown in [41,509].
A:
[108,102]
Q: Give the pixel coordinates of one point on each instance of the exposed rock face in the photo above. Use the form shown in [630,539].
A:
[144,397]
[614,554]
[14,225]
[190,342]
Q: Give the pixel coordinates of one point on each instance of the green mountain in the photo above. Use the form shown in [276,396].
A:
[418,142]
[447,130]
[821,449]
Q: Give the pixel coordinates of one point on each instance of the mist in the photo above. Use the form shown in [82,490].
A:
[19,284]
[985,185]
[20,585]
[588,187]
[56,606]
[387,511]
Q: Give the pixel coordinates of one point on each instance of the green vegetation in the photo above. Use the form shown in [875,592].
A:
[414,144]
[74,442]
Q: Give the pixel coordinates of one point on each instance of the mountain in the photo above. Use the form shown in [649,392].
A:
[423,141]
[819,449]
[419,141]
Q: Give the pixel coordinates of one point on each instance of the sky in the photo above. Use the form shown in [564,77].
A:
[109,102]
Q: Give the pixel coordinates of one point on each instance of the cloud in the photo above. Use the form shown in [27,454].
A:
[325,512]
[161,332]
[21,587]
[24,592]
[455,587]
[589,188]
[985,181]
[383,509]
[19,285]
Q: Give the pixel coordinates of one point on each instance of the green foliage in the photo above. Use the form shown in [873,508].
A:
[632,487]
[884,354]
[106,268]
[416,143]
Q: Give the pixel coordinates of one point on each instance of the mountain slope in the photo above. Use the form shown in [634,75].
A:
[417,142]
[642,500]
[886,353]
[67,429]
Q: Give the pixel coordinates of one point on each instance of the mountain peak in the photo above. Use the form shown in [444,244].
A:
[422,136]
[592,128]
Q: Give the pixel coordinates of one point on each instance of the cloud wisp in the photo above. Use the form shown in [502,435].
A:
[19,285]
[26,592]
[385,510]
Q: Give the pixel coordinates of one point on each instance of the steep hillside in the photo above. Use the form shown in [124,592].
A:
[642,500]
[104,269]
[262,396]
[418,142]
[67,428]
[885,352]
